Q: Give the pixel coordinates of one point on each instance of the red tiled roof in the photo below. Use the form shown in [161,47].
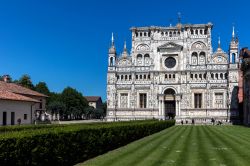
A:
[92,98]
[12,87]
[6,95]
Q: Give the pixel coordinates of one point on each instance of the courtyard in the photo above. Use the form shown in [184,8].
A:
[184,145]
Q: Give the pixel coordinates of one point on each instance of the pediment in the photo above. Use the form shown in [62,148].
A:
[170,47]
[219,58]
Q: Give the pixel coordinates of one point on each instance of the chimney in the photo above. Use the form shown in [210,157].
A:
[6,78]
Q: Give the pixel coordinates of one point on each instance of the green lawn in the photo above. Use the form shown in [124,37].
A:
[184,145]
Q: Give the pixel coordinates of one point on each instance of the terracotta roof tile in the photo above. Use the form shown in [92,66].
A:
[6,95]
[12,87]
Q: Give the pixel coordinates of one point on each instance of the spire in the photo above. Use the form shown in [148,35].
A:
[219,46]
[112,39]
[233,34]
[112,48]
[179,17]
[124,53]
[125,46]
[179,21]
[219,42]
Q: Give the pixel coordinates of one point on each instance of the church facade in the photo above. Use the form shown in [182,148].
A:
[172,72]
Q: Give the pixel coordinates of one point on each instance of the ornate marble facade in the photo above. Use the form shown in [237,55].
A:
[172,72]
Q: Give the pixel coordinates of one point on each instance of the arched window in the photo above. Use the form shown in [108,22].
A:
[141,34]
[118,77]
[139,56]
[136,34]
[162,33]
[212,75]
[169,92]
[111,61]
[233,57]
[136,76]
[140,76]
[205,75]
[145,34]
[166,76]
[191,76]
[201,31]
[202,58]
[216,75]
[194,58]
[126,77]
[130,77]
[173,75]
[146,56]
[145,77]
[196,31]
[122,77]
[205,32]
[174,33]
[196,76]
[225,75]
[149,76]
[139,59]
[170,76]
[192,31]
[221,76]
[200,76]
[170,34]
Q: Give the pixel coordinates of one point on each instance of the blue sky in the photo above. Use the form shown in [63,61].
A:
[65,42]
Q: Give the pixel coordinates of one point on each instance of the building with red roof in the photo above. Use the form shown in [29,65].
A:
[19,104]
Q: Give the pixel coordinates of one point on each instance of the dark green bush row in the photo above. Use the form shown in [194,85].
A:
[4,129]
[71,144]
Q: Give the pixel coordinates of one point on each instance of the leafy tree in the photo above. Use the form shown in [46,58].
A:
[98,113]
[74,102]
[25,81]
[42,88]
[89,111]
[57,107]
[104,107]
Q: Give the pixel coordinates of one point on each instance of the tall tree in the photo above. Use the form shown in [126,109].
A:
[25,81]
[57,107]
[74,102]
[42,88]
[104,107]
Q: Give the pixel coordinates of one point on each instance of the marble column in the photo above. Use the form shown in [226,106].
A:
[159,108]
[179,107]
[176,108]
[163,110]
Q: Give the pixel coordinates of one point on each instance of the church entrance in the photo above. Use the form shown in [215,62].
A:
[170,109]
[169,104]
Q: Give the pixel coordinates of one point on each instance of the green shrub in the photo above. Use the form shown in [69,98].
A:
[71,144]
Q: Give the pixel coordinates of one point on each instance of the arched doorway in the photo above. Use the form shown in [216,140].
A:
[169,103]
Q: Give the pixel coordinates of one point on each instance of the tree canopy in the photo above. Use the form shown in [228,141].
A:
[42,87]
[74,102]
[25,81]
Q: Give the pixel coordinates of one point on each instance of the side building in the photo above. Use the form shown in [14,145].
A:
[172,72]
[94,101]
[20,105]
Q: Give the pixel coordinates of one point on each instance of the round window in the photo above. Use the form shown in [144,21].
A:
[170,62]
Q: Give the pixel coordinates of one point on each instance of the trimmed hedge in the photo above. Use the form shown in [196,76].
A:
[73,143]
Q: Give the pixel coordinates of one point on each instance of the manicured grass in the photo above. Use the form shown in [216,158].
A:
[184,145]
